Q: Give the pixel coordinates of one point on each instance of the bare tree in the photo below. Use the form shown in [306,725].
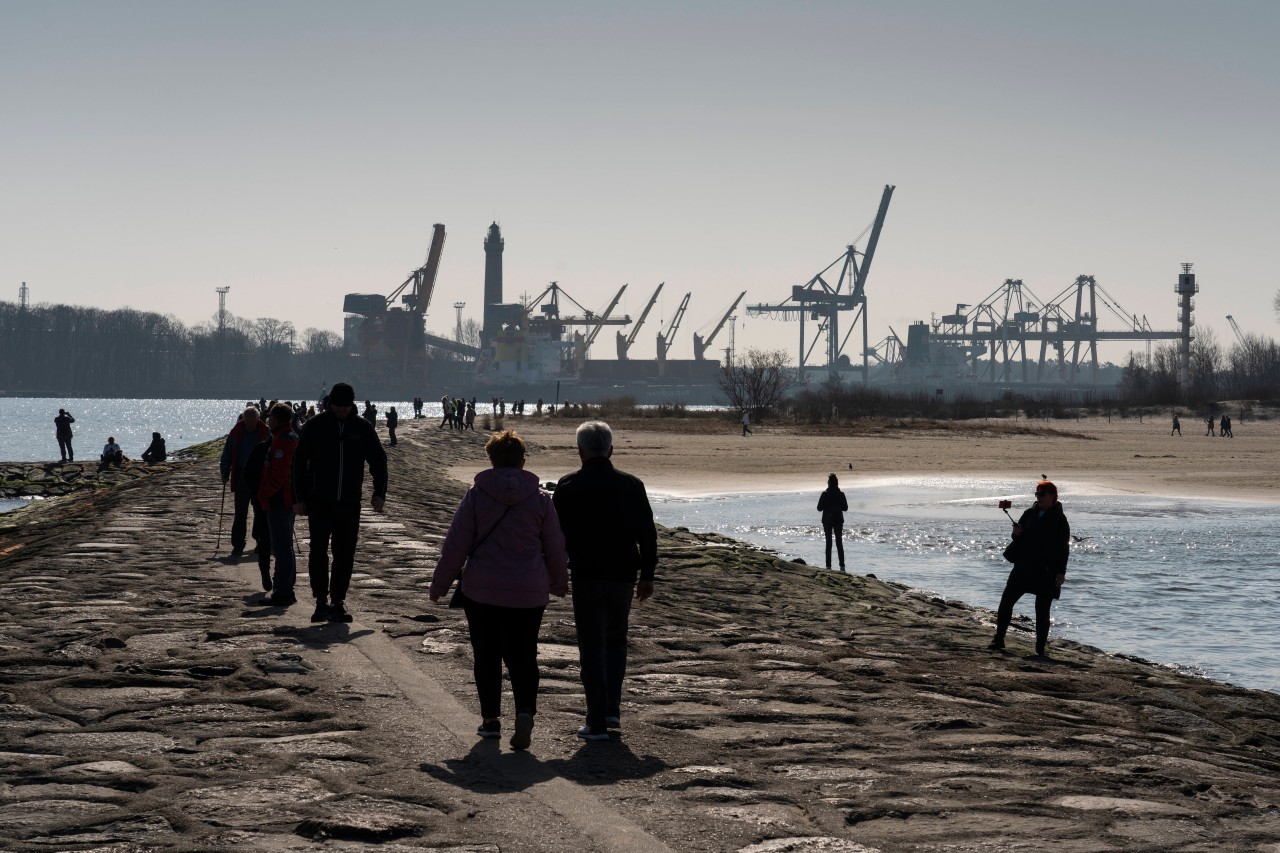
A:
[759,381]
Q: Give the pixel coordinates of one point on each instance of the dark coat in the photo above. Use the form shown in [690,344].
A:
[833,505]
[1042,550]
[329,462]
[607,523]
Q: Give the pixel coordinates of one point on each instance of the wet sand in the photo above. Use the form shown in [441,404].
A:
[150,701]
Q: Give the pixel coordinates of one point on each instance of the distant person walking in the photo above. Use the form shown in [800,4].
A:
[833,505]
[446,409]
[508,535]
[275,497]
[248,432]
[1209,422]
[328,477]
[1041,546]
[746,423]
[155,451]
[1177,426]
[392,420]
[1224,427]
[613,552]
[62,431]
[370,414]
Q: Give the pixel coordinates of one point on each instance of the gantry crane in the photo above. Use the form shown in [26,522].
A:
[625,341]
[701,344]
[665,339]
[818,300]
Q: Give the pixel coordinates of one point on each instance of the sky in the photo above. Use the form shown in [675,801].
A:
[299,151]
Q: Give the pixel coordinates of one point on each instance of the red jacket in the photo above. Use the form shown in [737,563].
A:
[275,489]
[235,450]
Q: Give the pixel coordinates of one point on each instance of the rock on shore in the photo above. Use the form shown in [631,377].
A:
[150,701]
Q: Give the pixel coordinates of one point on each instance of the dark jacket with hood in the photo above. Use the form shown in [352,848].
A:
[507,534]
[1041,550]
[239,444]
[329,461]
[607,523]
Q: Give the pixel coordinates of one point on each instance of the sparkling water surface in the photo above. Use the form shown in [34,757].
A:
[1190,584]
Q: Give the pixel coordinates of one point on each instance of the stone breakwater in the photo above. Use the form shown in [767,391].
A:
[150,701]
[53,479]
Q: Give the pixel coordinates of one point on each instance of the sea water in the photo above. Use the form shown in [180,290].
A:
[1192,584]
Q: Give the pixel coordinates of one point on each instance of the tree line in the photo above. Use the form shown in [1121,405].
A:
[67,350]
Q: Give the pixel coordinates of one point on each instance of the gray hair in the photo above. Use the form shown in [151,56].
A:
[595,438]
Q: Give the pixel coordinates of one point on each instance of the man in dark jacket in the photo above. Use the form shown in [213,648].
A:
[613,551]
[62,431]
[328,475]
[248,432]
[833,505]
[1041,547]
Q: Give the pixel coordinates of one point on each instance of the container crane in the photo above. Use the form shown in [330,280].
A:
[700,344]
[625,341]
[665,339]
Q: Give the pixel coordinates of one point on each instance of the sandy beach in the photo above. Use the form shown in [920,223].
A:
[1089,455]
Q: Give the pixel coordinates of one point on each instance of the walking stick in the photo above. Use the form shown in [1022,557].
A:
[222,510]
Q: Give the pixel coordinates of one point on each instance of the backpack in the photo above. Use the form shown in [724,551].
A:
[254,464]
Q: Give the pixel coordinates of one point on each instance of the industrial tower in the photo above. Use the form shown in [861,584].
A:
[493,246]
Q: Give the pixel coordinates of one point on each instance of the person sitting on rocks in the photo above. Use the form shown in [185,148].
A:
[112,454]
[155,452]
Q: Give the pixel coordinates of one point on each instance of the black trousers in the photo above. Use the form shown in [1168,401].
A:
[336,526]
[601,610]
[244,502]
[64,447]
[504,635]
[832,530]
[1004,615]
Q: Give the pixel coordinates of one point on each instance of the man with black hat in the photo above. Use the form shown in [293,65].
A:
[328,476]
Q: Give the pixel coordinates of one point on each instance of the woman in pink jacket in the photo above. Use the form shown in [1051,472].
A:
[507,534]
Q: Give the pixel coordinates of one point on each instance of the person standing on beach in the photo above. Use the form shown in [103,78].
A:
[508,536]
[1209,422]
[328,477]
[392,420]
[1177,426]
[62,431]
[833,505]
[248,432]
[613,552]
[1041,546]
[275,497]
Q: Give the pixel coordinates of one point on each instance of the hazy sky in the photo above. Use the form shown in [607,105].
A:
[298,151]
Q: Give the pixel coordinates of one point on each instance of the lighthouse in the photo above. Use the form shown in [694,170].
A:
[493,245]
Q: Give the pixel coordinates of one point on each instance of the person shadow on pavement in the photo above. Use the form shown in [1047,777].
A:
[487,769]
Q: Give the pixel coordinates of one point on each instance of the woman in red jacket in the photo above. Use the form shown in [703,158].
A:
[275,497]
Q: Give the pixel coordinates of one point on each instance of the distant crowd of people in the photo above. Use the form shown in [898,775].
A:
[1223,426]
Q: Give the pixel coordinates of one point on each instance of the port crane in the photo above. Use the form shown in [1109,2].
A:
[1235,327]
[591,336]
[700,344]
[819,300]
[625,341]
[392,337]
[665,339]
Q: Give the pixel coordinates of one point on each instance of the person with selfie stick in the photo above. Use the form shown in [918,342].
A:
[1039,551]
